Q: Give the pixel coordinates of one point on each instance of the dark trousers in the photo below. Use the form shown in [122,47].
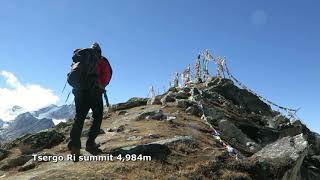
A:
[84,101]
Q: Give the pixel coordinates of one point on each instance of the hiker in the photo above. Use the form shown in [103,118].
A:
[90,74]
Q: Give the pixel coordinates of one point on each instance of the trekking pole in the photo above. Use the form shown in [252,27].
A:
[106,98]
[64,86]
[67,97]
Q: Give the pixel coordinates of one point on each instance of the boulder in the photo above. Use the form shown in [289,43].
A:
[169,97]
[154,101]
[122,113]
[243,98]
[182,94]
[186,89]
[120,128]
[152,115]
[14,162]
[194,110]
[36,142]
[194,92]
[310,169]
[153,136]
[3,154]
[316,160]
[157,150]
[28,165]
[230,131]
[317,143]
[285,155]
[262,135]
[211,81]
[183,103]
[2,174]
[64,127]
[131,103]
[212,114]
[173,89]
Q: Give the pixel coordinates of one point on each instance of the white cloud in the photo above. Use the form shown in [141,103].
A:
[259,17]
[28,96]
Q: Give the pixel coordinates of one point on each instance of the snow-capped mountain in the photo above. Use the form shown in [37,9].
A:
[1,123]
[4,124]
[56,113]
[30,122]
[25,123]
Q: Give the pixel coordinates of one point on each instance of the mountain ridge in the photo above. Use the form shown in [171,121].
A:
[211,130]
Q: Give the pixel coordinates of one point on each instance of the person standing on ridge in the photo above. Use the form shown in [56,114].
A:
[90,74]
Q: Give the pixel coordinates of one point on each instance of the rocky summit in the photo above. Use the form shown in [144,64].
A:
[209,130]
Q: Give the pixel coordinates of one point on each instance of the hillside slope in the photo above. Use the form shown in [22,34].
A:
[211,130]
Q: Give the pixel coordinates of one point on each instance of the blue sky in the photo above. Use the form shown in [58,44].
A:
[271,46]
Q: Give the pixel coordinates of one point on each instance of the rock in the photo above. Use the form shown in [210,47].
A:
[2,174]
[243,98]
[276,122]
[310,173]
[37,142]
[230,131]
[211,81]
[316,160]
[154,101]
[152,115]
[64,127]
[295,128]
[85,132]
[213,114]
[173,89]
[317,143]
[183,103]
[109,130]
[170,97]
[120,128]
[284,156]
[133,130]
[122,112]
[182,95]
[157,150]
[186,89]
[260,134]
[153,136]
[134,138]
[157,116]
[194,110]
[174,140]
[144,115]
[28,165]
[170,118]
[14,162]
[3,154]
[194,92]
[131,103]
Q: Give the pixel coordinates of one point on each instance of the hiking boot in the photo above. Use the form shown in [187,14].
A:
[76,153]
[93,148]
